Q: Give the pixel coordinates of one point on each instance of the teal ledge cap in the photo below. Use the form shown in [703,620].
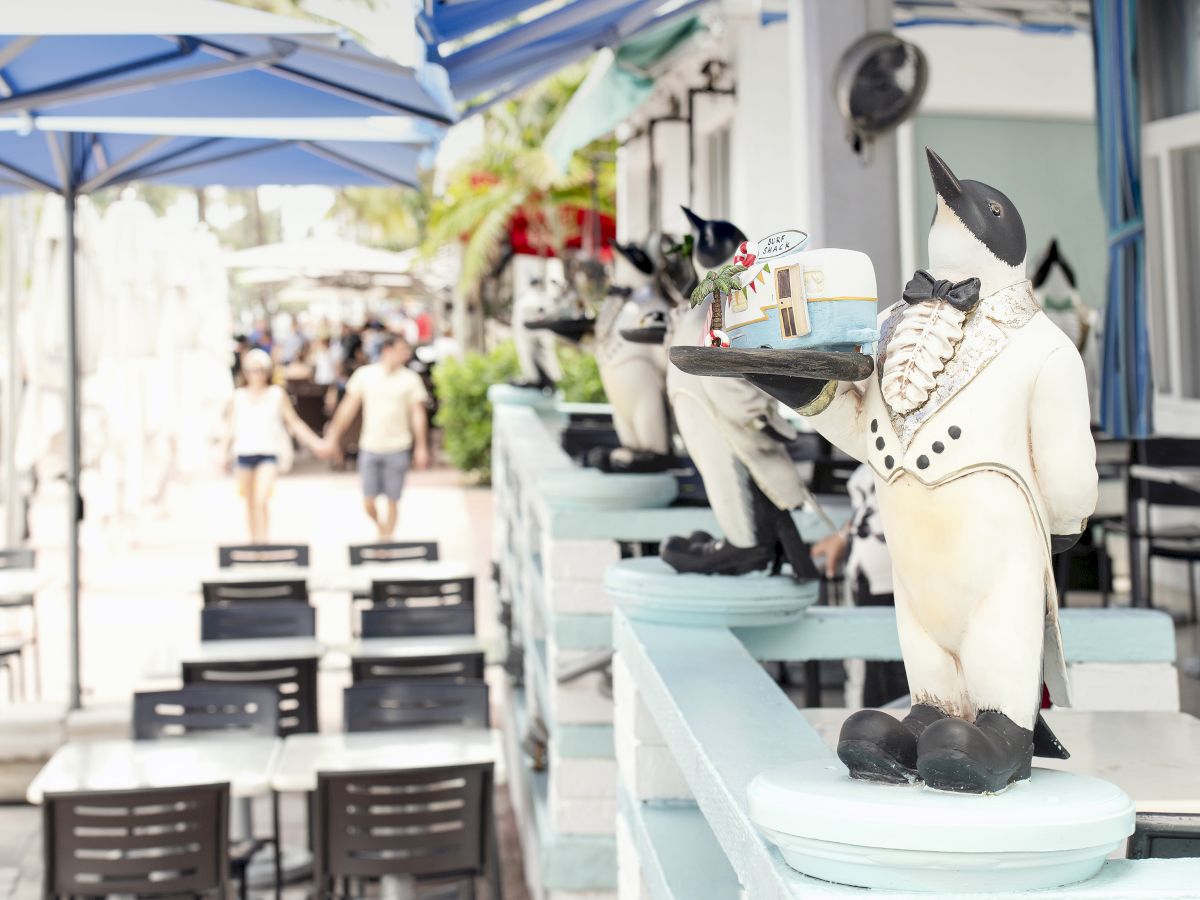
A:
[596,490]
[649,590]
[1056,828]
[511,395]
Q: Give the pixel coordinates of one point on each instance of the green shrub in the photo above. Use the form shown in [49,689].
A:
[581,378]
[464,413]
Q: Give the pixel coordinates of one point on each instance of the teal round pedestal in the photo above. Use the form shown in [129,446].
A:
[511,395]
[1056,828]
[593,489]
[649,590]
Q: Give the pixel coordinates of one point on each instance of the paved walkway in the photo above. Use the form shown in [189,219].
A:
[140,604]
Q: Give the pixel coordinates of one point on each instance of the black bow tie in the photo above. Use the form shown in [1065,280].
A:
[962,296]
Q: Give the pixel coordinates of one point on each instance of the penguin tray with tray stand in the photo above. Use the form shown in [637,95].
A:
[785,315]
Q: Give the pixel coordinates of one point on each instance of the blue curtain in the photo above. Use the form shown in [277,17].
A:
[1126,392]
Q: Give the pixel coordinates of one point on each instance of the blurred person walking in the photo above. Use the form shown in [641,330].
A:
[395,428]
[259,418]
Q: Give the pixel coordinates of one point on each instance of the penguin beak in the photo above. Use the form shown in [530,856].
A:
[945,183]
[697,222]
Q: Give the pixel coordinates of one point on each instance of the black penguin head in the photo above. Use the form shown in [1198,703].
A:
[985,212]
[674,274]
[716,240]
[1053,259]
[635,256]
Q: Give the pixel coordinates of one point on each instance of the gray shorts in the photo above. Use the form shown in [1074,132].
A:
[383,473]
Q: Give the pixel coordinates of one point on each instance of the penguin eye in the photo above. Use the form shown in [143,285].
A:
[995,208]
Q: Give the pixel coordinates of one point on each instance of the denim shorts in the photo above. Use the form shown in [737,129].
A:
[383,473]
[254,460]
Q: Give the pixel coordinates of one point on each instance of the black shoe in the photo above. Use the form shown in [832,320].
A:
[713,557]
[983,757]
[878,747]
[678,543]
[626,459]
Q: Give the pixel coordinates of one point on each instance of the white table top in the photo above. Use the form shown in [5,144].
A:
[304,755]
[245,762]
[255,650]
[1188,476]
[347,578]
[400,647]
[1152,756]
[18,582]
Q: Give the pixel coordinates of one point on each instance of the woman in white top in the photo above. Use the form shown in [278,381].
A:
[260,417]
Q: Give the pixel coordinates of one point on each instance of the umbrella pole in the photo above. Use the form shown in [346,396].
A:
[14,533]
[74,499]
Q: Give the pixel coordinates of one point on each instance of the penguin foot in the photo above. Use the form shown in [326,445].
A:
[544,385]
[878,747]
[713,557]
[983,757]
[628,460]
[680,544]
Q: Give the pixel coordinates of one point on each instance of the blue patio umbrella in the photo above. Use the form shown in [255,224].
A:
[193,92]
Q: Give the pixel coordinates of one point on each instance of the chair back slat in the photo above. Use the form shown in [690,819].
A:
[401,621]
[392,705]
[423,591]
[17,558]
[233,555]
[449,666]
[223,593]
[1167,451]
[143,842]
[293,681]
[249,709]
[393,551]
[257,620]
[427,823]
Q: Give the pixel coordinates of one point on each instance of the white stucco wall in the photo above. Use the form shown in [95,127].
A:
[1002,72]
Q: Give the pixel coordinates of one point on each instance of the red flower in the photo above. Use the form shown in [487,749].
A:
[744,257]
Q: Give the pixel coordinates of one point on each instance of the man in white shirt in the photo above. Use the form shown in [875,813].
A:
[394,428]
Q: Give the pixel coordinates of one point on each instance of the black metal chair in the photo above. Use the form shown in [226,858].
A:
[391,705]
[1175,542]
[234,555]
[386,552]
[24,559]
[249,709]
[433,824]
[421,607]
[228,709]
[257,620]
[152,842]
[10,663]
[293,680]
[451,666]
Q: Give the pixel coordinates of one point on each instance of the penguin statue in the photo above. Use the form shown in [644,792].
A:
[632,361]
[1055,291]
[975,425]
[536,350]
[735,435]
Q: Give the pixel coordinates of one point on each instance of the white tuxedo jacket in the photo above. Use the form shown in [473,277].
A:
[1012,400]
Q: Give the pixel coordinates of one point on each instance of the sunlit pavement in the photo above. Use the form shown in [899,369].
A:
[141,600]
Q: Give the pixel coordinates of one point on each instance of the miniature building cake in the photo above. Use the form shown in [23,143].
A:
[797,299]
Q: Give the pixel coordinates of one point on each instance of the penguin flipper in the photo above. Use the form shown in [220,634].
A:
[1045,744]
